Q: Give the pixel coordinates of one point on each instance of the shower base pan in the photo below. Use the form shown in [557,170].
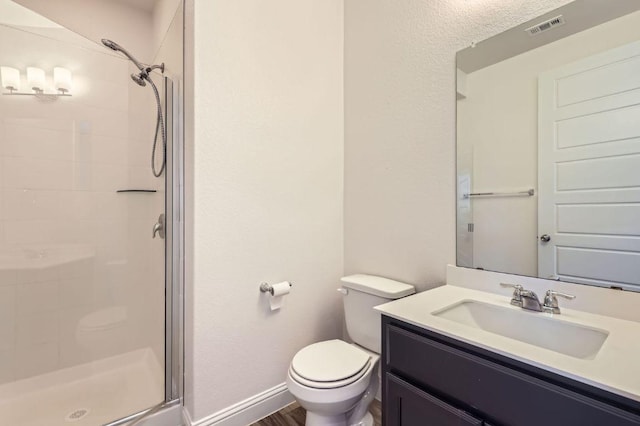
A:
[86,395]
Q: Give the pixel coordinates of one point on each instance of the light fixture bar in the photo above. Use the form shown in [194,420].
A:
[37,94]
[36,80]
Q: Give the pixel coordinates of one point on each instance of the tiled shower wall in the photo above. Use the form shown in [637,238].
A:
[70,246]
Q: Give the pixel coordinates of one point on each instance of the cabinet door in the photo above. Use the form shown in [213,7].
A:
[407,405]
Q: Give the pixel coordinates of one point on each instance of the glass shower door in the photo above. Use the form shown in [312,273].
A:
[82,280]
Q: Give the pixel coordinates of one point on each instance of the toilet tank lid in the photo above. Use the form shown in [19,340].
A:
[378,286]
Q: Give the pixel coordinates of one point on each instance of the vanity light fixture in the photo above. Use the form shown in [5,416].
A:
[36,81]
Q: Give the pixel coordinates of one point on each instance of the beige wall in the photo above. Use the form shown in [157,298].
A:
[266,173]
[400,128]
[499,118]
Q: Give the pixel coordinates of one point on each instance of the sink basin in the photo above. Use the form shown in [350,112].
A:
[529,327]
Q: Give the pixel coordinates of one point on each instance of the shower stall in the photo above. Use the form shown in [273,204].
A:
[90,225]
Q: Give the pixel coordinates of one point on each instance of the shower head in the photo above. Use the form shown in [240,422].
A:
[139,78]
[111,44]
[117,48]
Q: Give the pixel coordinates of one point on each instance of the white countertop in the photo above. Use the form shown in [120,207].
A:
[616,367]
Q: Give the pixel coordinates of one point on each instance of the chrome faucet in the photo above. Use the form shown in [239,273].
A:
[530,301]
[527,299]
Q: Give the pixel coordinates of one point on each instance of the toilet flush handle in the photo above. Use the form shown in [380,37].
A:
[343,291]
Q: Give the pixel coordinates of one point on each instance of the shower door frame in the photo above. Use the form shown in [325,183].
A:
[174,252]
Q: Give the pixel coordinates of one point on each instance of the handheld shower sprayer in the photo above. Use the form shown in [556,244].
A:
[141,79]
[144,70]
[117,48]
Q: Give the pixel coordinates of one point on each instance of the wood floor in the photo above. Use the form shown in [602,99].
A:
[294,415]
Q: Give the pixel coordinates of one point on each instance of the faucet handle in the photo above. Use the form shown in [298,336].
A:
[551,301]
[516,286]
[516,299]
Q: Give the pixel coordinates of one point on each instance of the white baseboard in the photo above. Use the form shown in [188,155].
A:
[248,411]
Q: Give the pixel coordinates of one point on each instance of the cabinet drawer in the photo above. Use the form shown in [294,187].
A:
[407,405]
[502,395]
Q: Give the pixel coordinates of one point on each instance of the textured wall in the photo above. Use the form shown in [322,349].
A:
[266,167]
[400,127]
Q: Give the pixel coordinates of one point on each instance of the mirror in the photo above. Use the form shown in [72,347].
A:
[548,147]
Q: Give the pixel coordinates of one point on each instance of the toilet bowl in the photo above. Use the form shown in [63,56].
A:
[101,333]
[336,381]
[329,379]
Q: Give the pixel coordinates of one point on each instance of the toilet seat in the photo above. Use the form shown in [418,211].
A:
[329,385]
[329,364]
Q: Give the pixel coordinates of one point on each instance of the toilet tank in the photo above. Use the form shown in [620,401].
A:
[361,293]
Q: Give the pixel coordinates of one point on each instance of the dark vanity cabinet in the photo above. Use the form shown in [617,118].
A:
[431,380]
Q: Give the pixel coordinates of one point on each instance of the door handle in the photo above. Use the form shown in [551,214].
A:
[545,238]
[158,228]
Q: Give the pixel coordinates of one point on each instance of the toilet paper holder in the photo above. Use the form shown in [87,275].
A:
[267,288]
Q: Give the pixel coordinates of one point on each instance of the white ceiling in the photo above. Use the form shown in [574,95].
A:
[580,15]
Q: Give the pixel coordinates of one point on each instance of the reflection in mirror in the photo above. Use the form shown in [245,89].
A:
[548,147]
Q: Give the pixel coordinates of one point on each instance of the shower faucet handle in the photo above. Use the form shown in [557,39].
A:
[158,228]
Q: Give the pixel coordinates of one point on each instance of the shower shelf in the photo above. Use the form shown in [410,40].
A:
[136,190]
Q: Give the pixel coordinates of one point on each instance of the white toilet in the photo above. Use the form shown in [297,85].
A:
[335,381]
[103,332]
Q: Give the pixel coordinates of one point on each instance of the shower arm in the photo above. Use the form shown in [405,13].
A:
[155,67]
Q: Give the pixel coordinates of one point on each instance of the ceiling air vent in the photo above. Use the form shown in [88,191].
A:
[546,25]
